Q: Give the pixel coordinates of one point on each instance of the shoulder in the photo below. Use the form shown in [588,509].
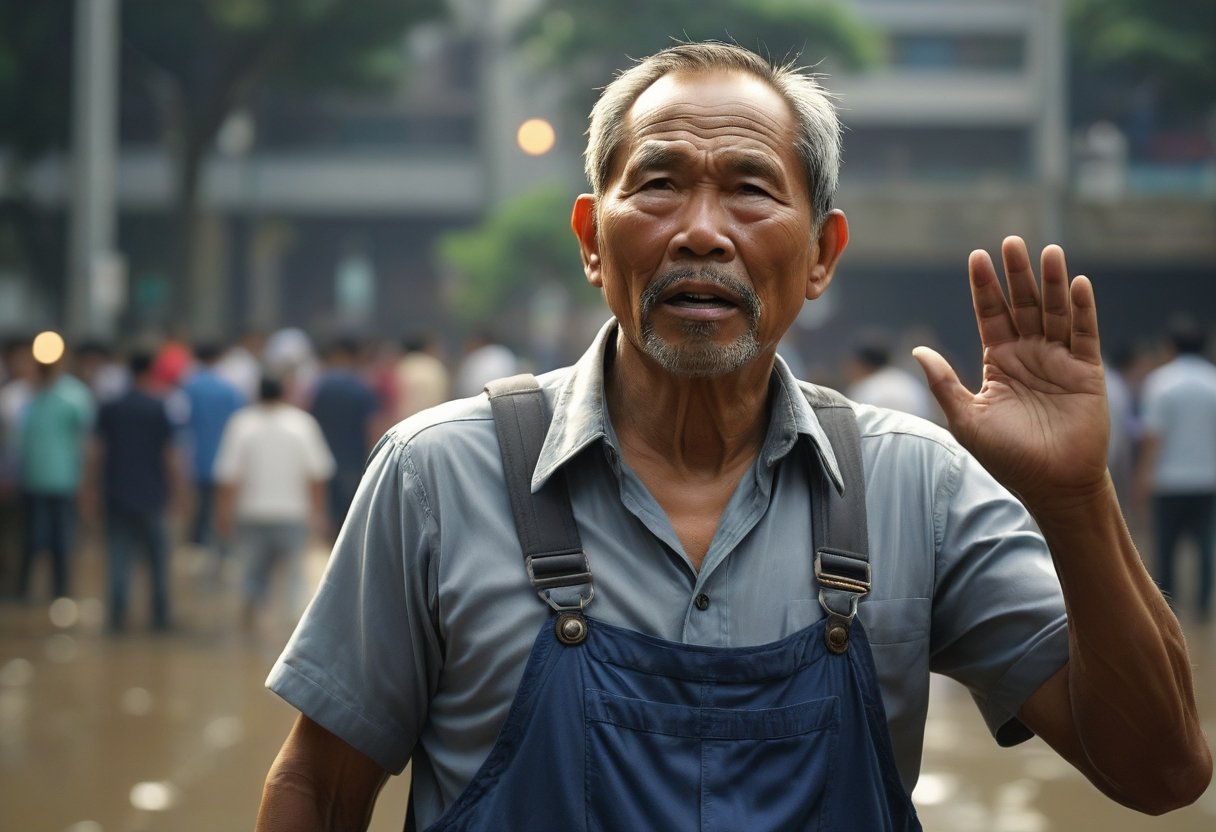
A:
[884,424]
[460,433]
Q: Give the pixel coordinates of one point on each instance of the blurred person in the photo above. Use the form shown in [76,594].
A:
[97,367]
[1178,459]
[53,432]
[173,362]
[241,364]
[272,467]
[1126,429]
[16,389]
[871,378]
[212,401]
[346,408]
[422,378]
[485,358]
[288,355]
[136,476]
[678,639]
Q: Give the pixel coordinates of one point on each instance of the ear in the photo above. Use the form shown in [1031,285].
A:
[833,237]
[582,221]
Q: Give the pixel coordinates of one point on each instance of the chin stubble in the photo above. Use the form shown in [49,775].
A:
[698,355]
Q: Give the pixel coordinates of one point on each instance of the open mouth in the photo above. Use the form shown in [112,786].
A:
[699,300]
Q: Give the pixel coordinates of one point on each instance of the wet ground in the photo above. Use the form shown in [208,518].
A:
[174,732]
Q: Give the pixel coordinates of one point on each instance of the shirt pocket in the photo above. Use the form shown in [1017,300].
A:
[649,764]
[895,620]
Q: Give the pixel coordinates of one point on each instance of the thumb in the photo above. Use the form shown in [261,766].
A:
[943,382]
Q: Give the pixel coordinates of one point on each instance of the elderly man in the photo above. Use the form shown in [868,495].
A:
[698,657]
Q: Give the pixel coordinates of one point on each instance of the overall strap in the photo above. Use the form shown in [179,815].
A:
[840,535]
[553,553]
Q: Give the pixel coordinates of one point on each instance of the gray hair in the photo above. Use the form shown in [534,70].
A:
[818,129]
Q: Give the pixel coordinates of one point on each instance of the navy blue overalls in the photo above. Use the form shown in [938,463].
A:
[615,730]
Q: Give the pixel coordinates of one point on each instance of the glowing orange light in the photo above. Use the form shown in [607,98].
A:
[536,137]
[48,347]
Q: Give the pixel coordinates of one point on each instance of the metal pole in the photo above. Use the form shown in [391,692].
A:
[94,288]
[1052,139]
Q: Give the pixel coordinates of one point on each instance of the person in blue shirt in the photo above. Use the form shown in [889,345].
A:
[213,400]
[135,469]
[345,406]
[690,667]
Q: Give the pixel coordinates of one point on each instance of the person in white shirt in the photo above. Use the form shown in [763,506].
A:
[1178,459]
[874,380]
[271,471]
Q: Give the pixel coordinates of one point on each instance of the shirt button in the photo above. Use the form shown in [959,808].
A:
[701,602]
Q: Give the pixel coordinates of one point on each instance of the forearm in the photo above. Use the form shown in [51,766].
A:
[317,782]
[292,803]
[1130,689]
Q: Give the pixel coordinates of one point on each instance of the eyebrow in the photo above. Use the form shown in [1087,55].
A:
[661,155]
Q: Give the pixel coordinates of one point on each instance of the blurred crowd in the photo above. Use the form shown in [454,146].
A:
[239,455]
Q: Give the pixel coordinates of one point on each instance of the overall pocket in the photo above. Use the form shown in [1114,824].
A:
[653,765]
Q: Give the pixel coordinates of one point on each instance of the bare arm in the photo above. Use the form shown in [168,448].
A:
[318,782]
[1123,710]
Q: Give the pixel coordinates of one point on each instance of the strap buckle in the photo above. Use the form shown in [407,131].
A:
[845,571]
[556,570]
[843,579]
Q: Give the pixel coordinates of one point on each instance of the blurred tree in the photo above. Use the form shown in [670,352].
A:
[526,243]
[1168,44]
[587,40]
[35,88]
[200,60]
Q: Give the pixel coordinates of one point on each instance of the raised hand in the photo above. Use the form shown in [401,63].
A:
[1039,421]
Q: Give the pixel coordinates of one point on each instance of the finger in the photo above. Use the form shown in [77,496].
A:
[1024,301]
[991,311]
[943,382]
[1057,308]
[1085,344]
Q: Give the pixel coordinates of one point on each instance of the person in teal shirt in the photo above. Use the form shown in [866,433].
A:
[53,431]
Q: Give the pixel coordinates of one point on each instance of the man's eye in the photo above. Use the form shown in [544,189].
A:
[656,184]
[752,190]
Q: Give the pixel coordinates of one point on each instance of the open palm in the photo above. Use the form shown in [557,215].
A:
[1039,421]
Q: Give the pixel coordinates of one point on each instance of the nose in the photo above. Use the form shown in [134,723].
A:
[703,231]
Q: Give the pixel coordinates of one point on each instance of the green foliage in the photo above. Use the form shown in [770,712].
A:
[1169,42]
[565,32]
[218,50]
[526,242]
[587,40]
[35,76]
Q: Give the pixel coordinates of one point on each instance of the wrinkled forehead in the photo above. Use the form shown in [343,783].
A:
[723,108]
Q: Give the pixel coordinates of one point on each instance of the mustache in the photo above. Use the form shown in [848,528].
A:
[748,298]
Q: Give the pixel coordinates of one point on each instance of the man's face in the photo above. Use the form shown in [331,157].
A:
[702,240]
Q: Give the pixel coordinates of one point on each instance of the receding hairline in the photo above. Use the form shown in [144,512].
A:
[620,151]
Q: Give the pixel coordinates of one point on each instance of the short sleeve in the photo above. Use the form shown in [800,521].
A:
[999,625]
[365,658]
[319,459]
[1153,417]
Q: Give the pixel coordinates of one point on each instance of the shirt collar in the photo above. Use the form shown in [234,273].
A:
[580,416]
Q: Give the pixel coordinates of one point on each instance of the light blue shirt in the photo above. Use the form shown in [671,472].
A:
[424,619]
[1179,400]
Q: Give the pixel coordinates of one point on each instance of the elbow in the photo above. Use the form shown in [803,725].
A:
[1173,787]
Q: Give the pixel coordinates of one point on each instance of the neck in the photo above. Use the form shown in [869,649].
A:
[698,426]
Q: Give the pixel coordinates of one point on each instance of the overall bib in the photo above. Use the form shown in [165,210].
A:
[612,729]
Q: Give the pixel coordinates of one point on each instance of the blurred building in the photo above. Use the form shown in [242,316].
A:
[322,212]
[964,136]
